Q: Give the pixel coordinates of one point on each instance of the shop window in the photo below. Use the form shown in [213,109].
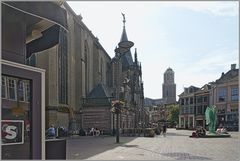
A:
[27,93]
[12,92]
[21,91]
[18,145]
[234,94]
[4,87]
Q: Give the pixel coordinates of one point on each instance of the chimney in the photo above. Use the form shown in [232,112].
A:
[222,73]
[233,66]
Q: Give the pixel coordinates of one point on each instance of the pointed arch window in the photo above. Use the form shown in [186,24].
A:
[62,66]
[86,53]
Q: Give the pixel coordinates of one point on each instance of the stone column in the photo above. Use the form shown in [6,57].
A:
[193,121]
[184,124]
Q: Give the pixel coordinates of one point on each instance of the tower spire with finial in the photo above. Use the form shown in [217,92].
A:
[124,20]
[124,34]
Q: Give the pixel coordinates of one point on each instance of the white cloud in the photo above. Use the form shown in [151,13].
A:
[215,60]
[216,8]
[155,49]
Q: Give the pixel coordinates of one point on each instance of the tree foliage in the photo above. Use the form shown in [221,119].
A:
[173,114]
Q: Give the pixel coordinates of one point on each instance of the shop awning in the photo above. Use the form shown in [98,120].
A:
[50,11]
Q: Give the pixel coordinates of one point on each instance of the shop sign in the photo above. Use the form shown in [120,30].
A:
[12,132]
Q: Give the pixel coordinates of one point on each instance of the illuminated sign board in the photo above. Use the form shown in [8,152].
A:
[12,132]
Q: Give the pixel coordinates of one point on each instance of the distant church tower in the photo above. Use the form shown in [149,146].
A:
[169,87]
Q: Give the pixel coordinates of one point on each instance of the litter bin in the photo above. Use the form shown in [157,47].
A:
[56,149]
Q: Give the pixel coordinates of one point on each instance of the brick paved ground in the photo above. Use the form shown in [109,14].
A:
[175,146]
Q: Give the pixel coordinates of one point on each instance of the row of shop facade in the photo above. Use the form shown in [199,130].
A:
[222,93]
[55,71]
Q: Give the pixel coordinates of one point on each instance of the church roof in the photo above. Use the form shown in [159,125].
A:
[100,91]
[127,59]
[124,35]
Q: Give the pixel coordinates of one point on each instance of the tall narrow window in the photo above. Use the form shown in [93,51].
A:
[182,101]
[12,91]
[187,101]
[234,94]
[62,66]
[21,91]
[4,87]
[222,94]
[86,66]
[191,100]
[27,92]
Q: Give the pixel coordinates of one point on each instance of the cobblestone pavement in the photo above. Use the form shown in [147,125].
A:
[175,146]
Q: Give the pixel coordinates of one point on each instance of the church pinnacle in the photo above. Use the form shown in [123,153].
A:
[124,34]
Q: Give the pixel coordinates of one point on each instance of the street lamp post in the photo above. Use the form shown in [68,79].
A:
[123,47]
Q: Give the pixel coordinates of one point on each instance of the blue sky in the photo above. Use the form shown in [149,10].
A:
[198,40]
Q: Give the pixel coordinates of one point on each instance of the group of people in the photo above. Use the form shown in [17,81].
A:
[94,131]
[201,132]
[221,130]
[52,132]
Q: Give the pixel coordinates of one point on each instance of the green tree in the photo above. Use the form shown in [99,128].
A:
[173,114]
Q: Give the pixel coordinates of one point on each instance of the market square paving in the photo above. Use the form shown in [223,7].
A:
[177,145]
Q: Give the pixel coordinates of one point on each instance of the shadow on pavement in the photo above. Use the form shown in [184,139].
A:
[175,134]
[179,156]
[130,146]
[184,156]
[87,146]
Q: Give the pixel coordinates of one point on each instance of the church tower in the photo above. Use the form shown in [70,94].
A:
[169,87]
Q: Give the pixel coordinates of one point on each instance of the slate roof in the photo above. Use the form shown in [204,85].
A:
[100,91]
[124,35]
[127,59]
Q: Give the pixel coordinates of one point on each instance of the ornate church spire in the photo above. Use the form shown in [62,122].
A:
[124,34]
[124,20]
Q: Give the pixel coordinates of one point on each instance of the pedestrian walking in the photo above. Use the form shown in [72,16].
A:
[164,129]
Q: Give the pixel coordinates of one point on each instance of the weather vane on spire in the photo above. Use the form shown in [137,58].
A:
[124,20]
